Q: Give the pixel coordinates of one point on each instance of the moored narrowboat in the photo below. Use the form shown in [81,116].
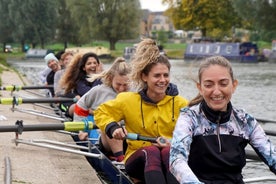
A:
[240,52]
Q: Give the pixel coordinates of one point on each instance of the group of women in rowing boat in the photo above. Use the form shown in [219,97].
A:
[201,141]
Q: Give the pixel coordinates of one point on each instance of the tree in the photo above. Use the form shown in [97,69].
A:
[6,28]
[111,20]
[34,20]
[81,14]
[66,26]
[21,24]
[205,15]
[260,14]
[43,15]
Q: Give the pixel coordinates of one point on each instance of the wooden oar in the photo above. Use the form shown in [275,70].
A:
[17,88]
[68,126]
[18,100]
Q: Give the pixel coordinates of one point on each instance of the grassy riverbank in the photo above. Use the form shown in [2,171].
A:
[4,66]
[173,50]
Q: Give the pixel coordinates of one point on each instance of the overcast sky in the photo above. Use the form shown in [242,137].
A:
[153,5]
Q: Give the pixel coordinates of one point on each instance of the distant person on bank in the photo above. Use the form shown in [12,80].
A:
[53,63]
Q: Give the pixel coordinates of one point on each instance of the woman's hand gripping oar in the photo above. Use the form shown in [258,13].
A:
[157,141]
[121,134]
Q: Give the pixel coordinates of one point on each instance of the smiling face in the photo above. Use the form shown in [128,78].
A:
[67,60]
[216,86]
[120,83]
[53,65]
[157,81]
[91,66]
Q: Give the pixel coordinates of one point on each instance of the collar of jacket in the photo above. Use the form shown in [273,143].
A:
[171,91]
[216,116]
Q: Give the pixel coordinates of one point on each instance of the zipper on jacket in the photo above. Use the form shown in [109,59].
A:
[142,113]
[218,131]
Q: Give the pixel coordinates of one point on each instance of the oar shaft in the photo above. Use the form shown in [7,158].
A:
[68,126]
[260,120]
[138,137]
[37,87]
[17,88]
[270,132]
[144,138]
[48,100]
[76,126]
[17,101]
[133,136]
[35,127]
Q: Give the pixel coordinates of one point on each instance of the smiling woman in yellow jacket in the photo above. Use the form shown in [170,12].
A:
[152,111]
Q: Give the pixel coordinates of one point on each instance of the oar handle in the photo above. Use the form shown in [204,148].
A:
[134,136]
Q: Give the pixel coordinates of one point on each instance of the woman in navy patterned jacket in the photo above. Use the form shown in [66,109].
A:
[210,136]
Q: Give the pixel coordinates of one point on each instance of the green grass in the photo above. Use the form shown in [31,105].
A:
[3,65]
[264,45]
[114,53]
[174,50]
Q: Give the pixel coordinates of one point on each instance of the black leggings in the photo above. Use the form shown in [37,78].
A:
[150,165]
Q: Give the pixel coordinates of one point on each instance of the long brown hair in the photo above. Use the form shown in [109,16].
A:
[74,73]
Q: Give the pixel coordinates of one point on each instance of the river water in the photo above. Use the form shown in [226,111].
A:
[255,92]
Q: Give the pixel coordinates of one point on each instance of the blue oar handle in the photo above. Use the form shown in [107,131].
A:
[133,136]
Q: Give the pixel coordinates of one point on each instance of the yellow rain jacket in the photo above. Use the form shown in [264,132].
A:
[140,116]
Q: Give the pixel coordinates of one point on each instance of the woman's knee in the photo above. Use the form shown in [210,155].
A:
[152,150]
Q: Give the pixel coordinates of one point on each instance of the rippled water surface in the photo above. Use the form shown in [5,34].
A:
[255,92]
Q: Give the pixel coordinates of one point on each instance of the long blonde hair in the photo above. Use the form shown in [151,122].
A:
[147,55]
[213,60]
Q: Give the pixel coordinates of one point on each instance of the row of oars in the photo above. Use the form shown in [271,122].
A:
[14,101]
[18,100]
[76,126]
